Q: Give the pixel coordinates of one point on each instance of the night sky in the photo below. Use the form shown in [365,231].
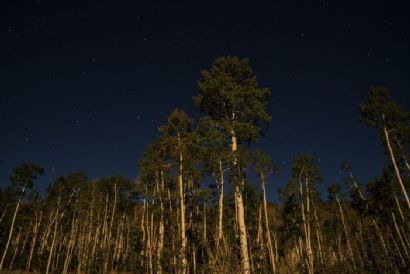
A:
[85,85]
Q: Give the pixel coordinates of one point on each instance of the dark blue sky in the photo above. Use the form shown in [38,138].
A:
[84,85]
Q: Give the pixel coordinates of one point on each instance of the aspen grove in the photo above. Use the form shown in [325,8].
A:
[200,202]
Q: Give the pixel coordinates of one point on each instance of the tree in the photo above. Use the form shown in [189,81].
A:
[264,167]
[379,111]
[215,154]
[152,168]
[229,94]
[21,180]
[334,192]
[305,174]
[177,136]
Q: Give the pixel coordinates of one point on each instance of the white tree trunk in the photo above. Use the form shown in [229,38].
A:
[11,229]
[220,203]
[243,238]
[267,228]
[184,262]
[396,169]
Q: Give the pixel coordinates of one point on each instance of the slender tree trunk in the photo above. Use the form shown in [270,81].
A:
[267,228]
[184,262]
[50,255]
[4,213]
[400,236]
[309,239]
[380,237]
[142,253]
[241,217]
[306,224]
[33,240]
[319,240]
[220,202]
[396,169]
[161,228]
[205,228]
[16,245]
[11,229]
[259,233]
[349,246]
[70,245]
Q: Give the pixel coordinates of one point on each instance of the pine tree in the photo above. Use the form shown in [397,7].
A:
[379,111]
[230,96]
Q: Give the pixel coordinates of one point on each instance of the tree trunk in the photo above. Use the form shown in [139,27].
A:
[50,255]
[220,202]
[184,262]
[161,229]
[349,246]
[243,239]
[11,229]
[4,213]
[267,228]
[33,240]
[396,169]
[306,225]
[16,245]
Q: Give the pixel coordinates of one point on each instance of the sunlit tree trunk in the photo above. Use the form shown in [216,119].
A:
[4,213]
[51,253]
[33,240]
[319,240]
[349,246]
[142,253]
[16,245]
[70,245]
[400,236]
[161,229]
[267,227]
[306,224]
[220,202]
[381,237]
[396,169]
[11,229]
[259,238]
[184,262]
[205,226]
[241,218]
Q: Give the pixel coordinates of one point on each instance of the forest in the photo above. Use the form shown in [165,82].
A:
[200,202]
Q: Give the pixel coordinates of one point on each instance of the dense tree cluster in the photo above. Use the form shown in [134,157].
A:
[173,220]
